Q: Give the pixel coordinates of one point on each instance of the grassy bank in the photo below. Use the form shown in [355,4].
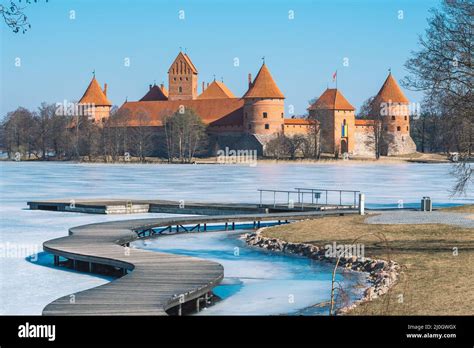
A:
[460,209]
[435,281]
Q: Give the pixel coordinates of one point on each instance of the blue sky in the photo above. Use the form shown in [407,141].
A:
[58,54]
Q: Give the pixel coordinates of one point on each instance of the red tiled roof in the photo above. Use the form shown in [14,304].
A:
[331,99]
[297,121]
[360,122]
[193,68]
[264,86]
[154,93]
[94,95]
[187,60]
[390,92]
[164,90]
[216,90]
[227,111]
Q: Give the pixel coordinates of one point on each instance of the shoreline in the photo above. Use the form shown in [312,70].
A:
[425,245]
[381,274]
[214,161]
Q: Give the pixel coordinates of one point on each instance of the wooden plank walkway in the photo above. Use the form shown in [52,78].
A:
[124,206]
[155,282]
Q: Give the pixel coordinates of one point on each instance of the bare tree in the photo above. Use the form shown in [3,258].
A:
[60,136]
[14,15]
[370,111]
[185,135]
[44,129]
[442,68]
[278,147]
[18,126]
[295,145]
[141,135]
[313,143]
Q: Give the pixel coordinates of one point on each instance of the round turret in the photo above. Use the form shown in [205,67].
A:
[264,105]
[394,109]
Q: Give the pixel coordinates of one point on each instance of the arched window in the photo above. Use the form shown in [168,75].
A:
[180,89]
[265,115]
[398,129]
[267,126]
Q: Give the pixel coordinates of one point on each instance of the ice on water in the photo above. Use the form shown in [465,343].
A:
[256,282]
[26,286]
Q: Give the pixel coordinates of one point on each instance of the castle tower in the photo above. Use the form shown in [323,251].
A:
[264,105]
[94,102]
[182,79]
[337,122]
[392,107]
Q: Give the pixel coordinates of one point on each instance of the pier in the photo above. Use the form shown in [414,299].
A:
[151,283]
[299,199]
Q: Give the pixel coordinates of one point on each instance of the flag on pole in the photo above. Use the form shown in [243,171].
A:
[334,76]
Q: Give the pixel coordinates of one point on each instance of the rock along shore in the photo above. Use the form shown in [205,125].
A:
[382,274]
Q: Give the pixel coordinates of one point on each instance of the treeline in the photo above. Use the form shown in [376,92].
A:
[45,135]
[29,134]
[442,69]
[433,132]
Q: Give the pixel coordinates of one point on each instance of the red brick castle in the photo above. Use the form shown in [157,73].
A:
[258,116]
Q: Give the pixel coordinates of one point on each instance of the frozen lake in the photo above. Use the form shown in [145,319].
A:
[258,282]
[27,286]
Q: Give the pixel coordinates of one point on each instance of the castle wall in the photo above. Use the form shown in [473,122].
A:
[225,129]
[326,124]
[98,114]
[396,127]
[295,129]
[331,122]
[364,141]
[397,143]
[263,116]
[396,117]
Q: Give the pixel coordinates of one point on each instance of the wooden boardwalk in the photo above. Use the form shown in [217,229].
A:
[153,282]
[124,206]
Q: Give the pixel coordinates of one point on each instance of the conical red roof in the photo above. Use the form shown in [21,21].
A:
[391,92]
[264,86]
[331,99]
[94,95]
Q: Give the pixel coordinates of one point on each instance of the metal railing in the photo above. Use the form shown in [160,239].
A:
[319,197]
[340,193]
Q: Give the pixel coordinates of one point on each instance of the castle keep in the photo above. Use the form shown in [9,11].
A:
[250,121]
